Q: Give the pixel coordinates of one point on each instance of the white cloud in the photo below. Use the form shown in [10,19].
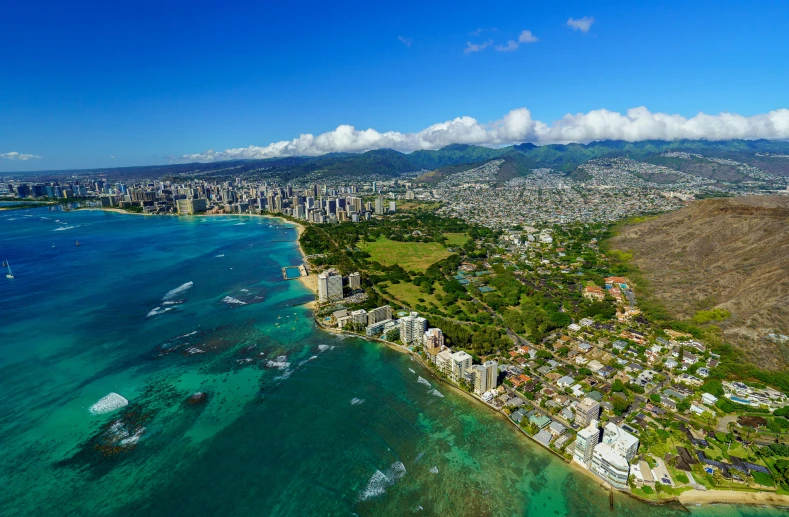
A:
[518,126]
[509,47]
[581,24]
[405,41]
[527,37]
[477,47]
[18,156]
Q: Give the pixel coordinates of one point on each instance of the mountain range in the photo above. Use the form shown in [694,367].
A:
[771,157]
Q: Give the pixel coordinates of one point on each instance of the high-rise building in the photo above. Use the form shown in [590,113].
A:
[585,442]
[444,361]
[412,328]
[586,411]
[492,371]
[392,206]
[461,362]
[359,317]
[620,441]
[355,281]
[379,314]
[433,338]
[610,465]
[329,287]
[379,205]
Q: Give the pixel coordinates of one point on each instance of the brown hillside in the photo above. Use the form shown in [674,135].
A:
[729,253]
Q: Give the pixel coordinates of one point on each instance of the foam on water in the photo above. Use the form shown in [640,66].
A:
[323,348]
[380,481]
[436,393]
[108,403]
[434,470]
[177,290]
[281,363]
[219,256]
[356,401]
[411,370]
[232,301]
[159,310]
[60,229]
[239,224]
[423,381]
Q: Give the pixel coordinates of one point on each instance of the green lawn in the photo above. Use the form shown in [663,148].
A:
[411,256]
[456,239]
[409,294]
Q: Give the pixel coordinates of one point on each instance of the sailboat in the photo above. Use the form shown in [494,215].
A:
[10,273]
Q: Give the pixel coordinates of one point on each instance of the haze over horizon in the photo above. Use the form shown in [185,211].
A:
[81,89]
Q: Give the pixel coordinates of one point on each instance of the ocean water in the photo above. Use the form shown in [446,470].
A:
[292,421]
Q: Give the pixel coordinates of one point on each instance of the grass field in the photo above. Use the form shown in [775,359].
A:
[411,256]
[409,294]
[456,239]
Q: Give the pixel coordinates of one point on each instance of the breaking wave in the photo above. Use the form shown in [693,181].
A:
[356,401]
[380,481]
[232,301]
[159,310]
[434,470]
[281,363]
[436,393]
[410,370]
[109,402]
[423,381]
[323,348]
[177,290]
[60,229]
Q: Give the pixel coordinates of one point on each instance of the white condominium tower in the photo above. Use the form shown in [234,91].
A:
[412,328]
[329,287]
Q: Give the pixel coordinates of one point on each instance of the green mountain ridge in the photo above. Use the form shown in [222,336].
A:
[519,160]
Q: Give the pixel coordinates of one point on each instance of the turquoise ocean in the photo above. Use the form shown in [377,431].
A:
[292,421]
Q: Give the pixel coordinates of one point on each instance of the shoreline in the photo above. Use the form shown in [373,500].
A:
[688,498]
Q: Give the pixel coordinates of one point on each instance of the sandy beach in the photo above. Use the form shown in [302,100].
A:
[733,497]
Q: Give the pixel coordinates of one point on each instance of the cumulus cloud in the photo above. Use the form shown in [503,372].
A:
[476,47]
[518,126]
[581,24]
[13,155]
[405,41]
[527,37]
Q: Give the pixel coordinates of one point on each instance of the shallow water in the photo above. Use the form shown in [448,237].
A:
[294,421]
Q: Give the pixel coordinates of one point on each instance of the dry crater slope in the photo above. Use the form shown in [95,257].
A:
[730,253]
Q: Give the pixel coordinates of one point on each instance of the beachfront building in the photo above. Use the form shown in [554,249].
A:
[585,442]
[412,328]
[444,361]
[359,317]
[355,281]
[587,411]
[329,287]
[610,465]
[433,338]
[461,362]
[379,314]
[622,442]
[485,376]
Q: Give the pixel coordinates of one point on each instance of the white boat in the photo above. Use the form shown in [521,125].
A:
[10,273]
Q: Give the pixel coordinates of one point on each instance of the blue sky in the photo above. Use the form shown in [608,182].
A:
[148,82]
